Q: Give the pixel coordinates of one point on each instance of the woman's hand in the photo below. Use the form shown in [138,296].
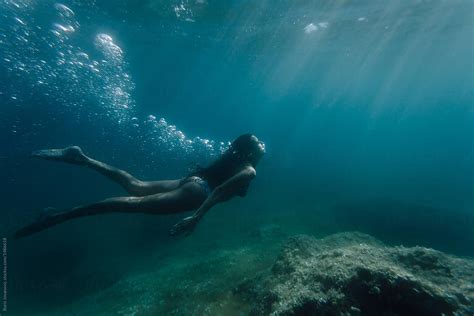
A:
[186,226]
[223,192]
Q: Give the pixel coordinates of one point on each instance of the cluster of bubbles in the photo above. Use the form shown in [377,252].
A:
[15,43]
[183,9]
[166,133]
[48,59]
[66,23]
[183,12]
[116,90]
[313,27]
[159,139]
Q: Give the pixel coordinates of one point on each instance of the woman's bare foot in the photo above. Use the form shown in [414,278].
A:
[71,154]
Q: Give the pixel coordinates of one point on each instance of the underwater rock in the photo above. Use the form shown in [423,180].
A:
[355,274]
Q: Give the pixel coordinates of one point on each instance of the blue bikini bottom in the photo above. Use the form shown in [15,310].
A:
[203,183]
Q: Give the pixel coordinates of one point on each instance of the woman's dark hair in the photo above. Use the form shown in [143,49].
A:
[234,158]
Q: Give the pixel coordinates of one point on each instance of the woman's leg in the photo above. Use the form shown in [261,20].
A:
[188,197]
[132,185]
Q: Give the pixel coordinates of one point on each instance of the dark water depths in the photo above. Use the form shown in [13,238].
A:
[366,109]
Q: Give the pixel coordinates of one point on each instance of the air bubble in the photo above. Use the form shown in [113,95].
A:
[63,28]
[64,10]
[20,21]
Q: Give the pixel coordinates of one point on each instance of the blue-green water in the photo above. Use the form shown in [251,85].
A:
[366,109]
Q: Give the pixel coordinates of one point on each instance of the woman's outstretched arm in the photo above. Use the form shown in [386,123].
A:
[223,192]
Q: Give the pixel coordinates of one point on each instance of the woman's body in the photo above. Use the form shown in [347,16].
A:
[229,176]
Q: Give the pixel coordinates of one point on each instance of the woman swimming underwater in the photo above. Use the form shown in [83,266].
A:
[229,176]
